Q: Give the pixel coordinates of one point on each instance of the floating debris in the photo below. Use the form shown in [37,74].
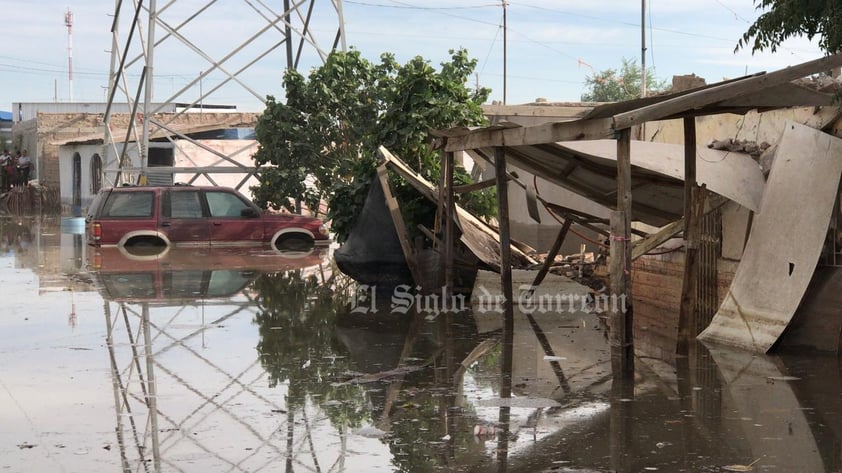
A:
[370,432]
[528,402]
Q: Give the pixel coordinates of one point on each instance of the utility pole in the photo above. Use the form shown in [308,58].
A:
[642,48]
[504,52]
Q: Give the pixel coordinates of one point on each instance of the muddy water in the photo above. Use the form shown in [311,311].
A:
[223,361]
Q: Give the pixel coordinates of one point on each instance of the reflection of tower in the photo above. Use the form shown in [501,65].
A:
[177,402]
[68,21]
[232,59]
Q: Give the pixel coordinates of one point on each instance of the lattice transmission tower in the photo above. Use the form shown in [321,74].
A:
[173,58]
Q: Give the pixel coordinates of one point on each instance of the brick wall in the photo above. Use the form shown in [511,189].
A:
[656,290]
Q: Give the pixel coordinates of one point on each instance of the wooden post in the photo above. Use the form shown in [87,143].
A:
[505,263]
[692,230]
[622,315]
[449,215]
[508,310]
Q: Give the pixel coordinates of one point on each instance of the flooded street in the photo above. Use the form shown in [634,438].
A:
[209,361]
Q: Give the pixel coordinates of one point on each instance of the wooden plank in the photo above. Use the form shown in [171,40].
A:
[477,235]
[724,92]
[538,134]
[400,226]
[641,247]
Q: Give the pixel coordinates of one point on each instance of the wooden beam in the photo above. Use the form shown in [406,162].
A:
[548,261]
[622,315]
[545,133]
[400,225]
[475,186]
[727,91]
[641,247]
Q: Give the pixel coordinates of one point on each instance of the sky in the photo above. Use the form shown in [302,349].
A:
[551,45]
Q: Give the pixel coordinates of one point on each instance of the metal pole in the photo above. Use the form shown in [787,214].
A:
[151,388]
[147,95]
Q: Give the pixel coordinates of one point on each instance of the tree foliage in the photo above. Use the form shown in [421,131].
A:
[612,85]
[321,145]
[784,19]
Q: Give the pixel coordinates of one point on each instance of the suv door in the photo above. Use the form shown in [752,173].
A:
[183,217]
[229,225]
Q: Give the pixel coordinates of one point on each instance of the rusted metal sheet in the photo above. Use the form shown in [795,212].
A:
[785,242]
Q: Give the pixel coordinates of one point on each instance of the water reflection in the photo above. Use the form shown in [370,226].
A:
[335,390]
[251,362]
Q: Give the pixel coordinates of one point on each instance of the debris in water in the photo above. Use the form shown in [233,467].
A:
[528,402]
[748,467]
[783,378]
[26,445]
[370,432]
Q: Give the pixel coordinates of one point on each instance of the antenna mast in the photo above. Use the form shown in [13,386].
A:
[68,21]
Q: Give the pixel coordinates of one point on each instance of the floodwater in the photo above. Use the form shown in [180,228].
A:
[212,361]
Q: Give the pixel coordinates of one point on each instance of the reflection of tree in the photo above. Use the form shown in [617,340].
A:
[421,409]
[296,318]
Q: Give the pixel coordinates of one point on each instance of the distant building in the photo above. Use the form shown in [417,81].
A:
[6,130]
[40,127]
[195,151]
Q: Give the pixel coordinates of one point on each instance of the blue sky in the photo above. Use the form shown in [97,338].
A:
[552,45]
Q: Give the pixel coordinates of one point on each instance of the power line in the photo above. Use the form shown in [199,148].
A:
[409,6]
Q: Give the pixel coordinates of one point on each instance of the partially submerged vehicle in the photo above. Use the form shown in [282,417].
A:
[165,216]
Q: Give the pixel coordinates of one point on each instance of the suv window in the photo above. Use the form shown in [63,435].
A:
[128,204]
[93,209]
[225,204]
[182,204]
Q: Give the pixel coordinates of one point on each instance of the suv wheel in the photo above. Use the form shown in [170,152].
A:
[294,242]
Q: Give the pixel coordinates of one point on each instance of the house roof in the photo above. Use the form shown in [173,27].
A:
[762,91]
[657,193]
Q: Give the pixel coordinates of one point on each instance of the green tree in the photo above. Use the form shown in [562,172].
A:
[321,145]
[784,19]
[612,85]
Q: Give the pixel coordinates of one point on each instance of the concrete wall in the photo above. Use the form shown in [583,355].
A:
[43,135]
[186,154]
[86,153]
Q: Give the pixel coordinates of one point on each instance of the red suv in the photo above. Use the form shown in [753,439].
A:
[183,215]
